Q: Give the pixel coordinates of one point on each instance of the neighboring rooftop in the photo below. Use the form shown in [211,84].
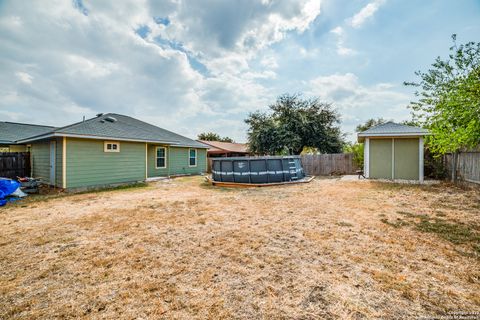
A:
[392,129]
[12,131]
[225,147]
[116,126]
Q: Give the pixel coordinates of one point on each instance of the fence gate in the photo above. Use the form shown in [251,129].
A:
[14,164]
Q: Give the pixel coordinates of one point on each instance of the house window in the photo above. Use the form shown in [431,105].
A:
[192,157]
[161,157]
[111,146]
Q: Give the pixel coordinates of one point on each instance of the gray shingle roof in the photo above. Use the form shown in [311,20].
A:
[125,127]
[11,131]
[393,129]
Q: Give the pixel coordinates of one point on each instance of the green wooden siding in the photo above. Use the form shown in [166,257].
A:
[58,162]
[177,162]
[406,159]
[40,153]
[88,164]
[40,157]
[380,161]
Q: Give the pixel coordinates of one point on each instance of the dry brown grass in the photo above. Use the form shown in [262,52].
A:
[180,249]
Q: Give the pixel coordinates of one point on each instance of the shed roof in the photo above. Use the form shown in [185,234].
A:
[219,146]
[119,127]
[392,129]
[10,132]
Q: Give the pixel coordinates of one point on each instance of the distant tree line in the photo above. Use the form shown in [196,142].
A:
[211,136]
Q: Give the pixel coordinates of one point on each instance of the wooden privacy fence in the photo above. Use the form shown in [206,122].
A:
[468,166]
[328,164]
[321,164]
[14,164]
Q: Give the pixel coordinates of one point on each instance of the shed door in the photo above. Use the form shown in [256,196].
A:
[406,159]
[52,162]
[380,161]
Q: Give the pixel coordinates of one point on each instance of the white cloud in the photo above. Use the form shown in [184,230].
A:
[269,62]
[24,77]
[205,70]
[365,13]
[341,48]
[87,58]
[357,102]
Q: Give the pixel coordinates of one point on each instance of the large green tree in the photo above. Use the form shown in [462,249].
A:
[292,124]
[211,136]
[449,99]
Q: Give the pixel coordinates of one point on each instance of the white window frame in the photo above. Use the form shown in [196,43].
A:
[165,157]
[106,143]
[196,157]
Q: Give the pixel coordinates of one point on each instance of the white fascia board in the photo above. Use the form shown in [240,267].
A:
[81,136]
[420,160]
[366,158]
[393,135]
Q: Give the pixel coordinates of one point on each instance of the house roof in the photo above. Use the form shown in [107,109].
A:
[10,132]
[392,129]
[223,147]
[118,127]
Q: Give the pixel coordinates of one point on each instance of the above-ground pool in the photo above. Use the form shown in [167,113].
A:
[257,170]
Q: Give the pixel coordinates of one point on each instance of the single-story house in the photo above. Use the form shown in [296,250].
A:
[226,149]
[393,151]
[108,149]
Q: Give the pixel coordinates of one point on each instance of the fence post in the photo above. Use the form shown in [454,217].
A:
[454,166]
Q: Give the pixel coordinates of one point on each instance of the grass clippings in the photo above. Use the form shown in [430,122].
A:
[325,250]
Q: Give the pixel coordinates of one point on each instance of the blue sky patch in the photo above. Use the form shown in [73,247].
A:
[162,20]
[143,31]
[79,5]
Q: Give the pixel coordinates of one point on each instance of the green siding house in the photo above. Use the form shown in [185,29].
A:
[393,151]
[111,149]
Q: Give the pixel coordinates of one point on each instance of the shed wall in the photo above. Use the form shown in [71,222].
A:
[380,161]
[406,159]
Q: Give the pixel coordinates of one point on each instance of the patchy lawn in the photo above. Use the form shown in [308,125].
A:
[182,249]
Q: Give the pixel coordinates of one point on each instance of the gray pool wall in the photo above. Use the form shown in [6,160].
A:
[257,169]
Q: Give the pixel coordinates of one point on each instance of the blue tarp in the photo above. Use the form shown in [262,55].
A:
[7,187]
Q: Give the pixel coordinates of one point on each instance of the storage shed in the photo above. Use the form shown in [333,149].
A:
[393,151]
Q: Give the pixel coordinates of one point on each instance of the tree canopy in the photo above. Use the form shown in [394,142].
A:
[293,123]
[211,136]
[449,99]
[369,123]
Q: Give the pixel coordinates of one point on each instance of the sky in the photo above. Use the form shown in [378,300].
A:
[204,65]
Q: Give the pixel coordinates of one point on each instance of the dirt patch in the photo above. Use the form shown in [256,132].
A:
[182,249]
